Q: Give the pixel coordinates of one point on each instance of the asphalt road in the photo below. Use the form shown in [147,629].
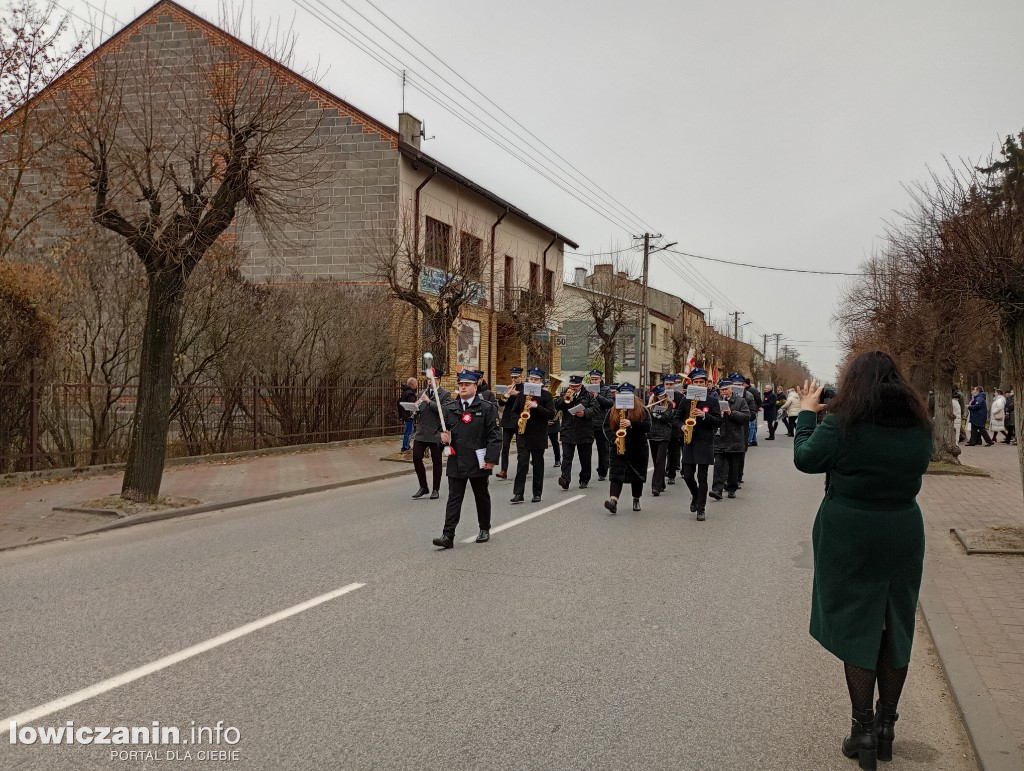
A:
[573,640]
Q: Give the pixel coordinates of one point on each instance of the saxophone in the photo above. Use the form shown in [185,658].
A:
[524,416]
[620,435]
[691,421]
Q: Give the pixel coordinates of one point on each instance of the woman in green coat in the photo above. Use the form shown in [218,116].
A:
[868,537]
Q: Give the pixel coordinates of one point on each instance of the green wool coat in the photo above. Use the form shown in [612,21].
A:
[868,536]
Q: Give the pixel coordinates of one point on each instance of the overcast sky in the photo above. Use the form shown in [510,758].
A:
[772,133]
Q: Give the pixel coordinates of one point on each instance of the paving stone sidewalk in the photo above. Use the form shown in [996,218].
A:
[982,594]
[27,515]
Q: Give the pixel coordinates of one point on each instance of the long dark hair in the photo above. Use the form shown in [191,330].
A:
[873,390]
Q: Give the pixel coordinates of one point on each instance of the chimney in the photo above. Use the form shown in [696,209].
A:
[603,269]
[581,276]
[409,129]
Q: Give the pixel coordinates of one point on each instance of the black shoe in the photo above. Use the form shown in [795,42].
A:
[516,499]
[563,483]
[421,492]
[731,494]
[671,480]
[501,475]
[583,485]
[700,515]
[769,438]
[535,499]
[716,494]
[885,730]
[434,495]
[445,542]
[612,505]
[484,537]
[655,493]
[862,743]
[636,504]
[693,504]
[601,478]
[753,444]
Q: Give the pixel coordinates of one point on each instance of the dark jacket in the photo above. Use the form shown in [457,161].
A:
[770,406]
[868,536]
[428,422]
[756,396]
[578,430]
[1010,411]
[677,425]
[978,409]
[475,429]
[732,434]
[535,436]
[632,466]
[701,450]
[605,402]
[508,415]
[408,395]
[662,422]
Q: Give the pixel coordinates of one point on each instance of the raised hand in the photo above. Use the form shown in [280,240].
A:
[810,396]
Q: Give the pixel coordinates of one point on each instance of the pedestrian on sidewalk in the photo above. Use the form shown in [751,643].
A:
[699,451]
[997,420]
[475,438]
[730,440]
[868,537]
[662,410]
[408,395]
[629,466]
[771,412]
[427,438]
[790,409]
[1011,420]
[958,417]
[977,412]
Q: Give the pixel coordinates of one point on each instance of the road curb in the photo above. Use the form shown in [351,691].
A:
[993,745]
[159,516]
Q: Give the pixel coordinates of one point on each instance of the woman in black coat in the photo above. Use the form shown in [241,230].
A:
[630,466]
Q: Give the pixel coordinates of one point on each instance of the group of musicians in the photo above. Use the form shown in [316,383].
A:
[688,426]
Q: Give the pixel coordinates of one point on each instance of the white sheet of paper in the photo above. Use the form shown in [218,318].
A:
[579,409]
[723,405]
[501,389]
[594,388]
[660,408]
[411,406]
[532,389]
[624,401]
[700,393]
[678,389]
[480,455]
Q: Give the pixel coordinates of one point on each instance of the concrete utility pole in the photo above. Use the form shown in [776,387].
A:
[777,338]
[736,324]
[643,313]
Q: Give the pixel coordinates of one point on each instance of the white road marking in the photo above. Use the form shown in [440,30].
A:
[521,520]
[110,684]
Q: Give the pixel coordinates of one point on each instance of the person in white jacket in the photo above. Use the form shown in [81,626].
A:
[791,409]
[958,420]
[997,418]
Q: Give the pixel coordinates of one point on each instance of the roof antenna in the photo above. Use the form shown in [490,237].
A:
[423,133]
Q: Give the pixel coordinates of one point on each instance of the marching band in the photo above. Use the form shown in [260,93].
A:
[687,426]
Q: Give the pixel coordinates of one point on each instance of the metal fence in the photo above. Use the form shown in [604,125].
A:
[64,425]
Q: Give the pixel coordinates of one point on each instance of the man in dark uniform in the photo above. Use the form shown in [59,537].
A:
[675,443]
[739,385]
[604,401]
[484,389]
[730,441]
[472,427]
[578,407]
[531,443]
[754,394]
[699,452]
[508,420]
[554,427]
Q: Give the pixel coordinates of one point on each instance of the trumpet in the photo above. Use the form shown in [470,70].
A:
[620,435]
[691,421]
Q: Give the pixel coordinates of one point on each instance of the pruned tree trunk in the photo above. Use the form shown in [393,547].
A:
[1013,335]
[151,422]
[945,448]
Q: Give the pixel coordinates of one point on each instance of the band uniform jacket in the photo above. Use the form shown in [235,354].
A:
[701,450]
[475,429]
[677,425]
[508,415]
[536,434]
[732,434]
[662,422]
[631,466]
[428,422]
[605,402]
[579,430]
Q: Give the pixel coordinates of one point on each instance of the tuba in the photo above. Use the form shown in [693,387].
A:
[691,421]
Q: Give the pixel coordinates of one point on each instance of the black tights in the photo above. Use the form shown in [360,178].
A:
[615,489]
[861,682]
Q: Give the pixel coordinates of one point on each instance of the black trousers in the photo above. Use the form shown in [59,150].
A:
[789,423]
[740,464]
[696,478]
[436,467]
[772,425]
[555,448]
[659,451]
[1011,431]
[615,489]
[526,458]
[586,451]
[978,433]
[675,454]
[601,445]
[507,435]
[727,471]
[456,492]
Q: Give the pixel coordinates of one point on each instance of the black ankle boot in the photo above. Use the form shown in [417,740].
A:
[885,729]
[862,743]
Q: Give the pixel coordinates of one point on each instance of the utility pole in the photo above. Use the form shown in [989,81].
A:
[643,315]
[777,338]
[736,324]
[764,347]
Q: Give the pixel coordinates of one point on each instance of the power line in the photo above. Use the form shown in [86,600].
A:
[764,267]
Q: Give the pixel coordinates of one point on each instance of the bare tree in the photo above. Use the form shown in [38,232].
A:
[610,303]
[173,143]
[526,310]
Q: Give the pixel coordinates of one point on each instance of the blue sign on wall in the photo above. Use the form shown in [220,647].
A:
[433,279]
